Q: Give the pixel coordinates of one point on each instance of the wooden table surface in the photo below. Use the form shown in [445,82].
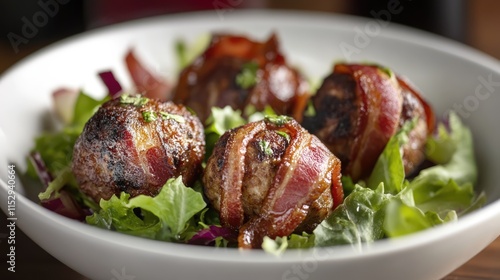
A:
[32,261]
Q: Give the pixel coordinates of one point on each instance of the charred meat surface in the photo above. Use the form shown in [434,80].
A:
[359,108]
[271,178]
[237,71]
[135,144]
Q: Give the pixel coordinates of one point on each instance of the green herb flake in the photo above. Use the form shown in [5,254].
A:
[149,116]
[177,118]
[135,100]
[181,51]
[278,120]
[284,135]
[265,147]
[248,75]
[386,70]
[310,110]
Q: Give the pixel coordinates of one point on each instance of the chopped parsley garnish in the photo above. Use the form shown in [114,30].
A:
[386,70]
[265,148]
[278,120]
[248,75]
[284,135]
[181,51]
[135,100]
[177,118]
[149,116]
[310,110]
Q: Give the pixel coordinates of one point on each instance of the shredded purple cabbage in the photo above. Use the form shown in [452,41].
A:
[40,168]
[65,204]
[207,236]
[111,83]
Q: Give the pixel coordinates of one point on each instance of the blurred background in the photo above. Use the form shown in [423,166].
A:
[27,26]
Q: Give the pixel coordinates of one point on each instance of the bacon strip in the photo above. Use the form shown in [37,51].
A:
[233,170]
[381,105]
[211,80]
[429,113]
[302,177]
[244,48]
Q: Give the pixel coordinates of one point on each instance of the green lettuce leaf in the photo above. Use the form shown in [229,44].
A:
[389,167]
[449,185]
[438,195]
[56,148]
[248,77]
[187,53]
[402,219]
[302,241]
[219,121]
[115,214]
[63,179]
[275,246]
[174,205]
[164,217]
[441,148]
[295,241]
[253,115]
[460,168]
[85,107]
[359,219]
[442,192]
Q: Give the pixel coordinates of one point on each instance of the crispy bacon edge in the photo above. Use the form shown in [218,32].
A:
[381,104]
[145,81]
[307,169]
[429,112]
[269,59]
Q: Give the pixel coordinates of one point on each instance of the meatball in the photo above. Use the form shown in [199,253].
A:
[238,72]
[359,108]
[135,144]
[271,178]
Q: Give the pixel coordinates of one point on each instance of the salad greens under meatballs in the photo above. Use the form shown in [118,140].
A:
[270,164]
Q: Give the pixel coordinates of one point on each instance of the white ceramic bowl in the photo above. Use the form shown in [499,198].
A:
[449,74]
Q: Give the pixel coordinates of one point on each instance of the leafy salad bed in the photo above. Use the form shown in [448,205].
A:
[386,205]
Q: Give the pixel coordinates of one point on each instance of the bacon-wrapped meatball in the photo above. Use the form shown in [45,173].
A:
[271,178]
[135,144]
[359,108]
[236,71]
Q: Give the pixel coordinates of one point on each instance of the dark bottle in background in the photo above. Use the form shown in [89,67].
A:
[40,21]
[444,17]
